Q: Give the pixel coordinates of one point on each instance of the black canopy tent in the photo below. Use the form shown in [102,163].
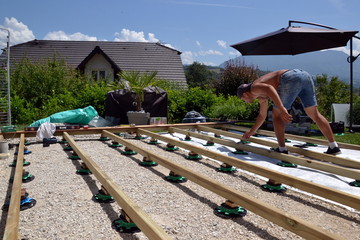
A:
[294,40]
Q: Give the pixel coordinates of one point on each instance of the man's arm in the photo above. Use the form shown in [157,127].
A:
[260,118]
[267,90]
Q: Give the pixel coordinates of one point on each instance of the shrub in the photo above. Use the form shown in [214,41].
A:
[23,111]
[329,92]
[234,109]
[183,101]
[93,94]
[356,111]
[209,104]
[38,82]
[59,103]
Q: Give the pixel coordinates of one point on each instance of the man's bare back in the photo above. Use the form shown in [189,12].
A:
[272,78]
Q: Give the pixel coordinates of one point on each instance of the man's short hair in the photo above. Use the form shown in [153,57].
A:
[242,89]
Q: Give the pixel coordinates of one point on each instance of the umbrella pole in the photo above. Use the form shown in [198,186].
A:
[351,86]
[351,59]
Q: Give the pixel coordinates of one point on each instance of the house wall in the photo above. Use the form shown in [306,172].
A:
[99,63]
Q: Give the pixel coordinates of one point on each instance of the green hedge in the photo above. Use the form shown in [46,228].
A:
[208,104]
[235,109]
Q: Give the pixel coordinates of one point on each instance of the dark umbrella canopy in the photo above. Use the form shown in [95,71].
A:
[294,40]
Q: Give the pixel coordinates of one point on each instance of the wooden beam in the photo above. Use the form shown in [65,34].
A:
[12,221]
[142,220]
[317,189]
[116,129]
[346,172]
[320,156]
[283,219]
[291,136]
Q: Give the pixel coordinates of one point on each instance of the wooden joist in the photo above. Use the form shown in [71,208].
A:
[116,129]
[291,223]
[12,221]
[342,171]
[291,136]
[142,220]
[320,156]
[317,189]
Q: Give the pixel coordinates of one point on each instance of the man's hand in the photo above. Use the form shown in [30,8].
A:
[248,134]
[285,116]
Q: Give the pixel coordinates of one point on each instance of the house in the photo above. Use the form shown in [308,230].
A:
[104,59]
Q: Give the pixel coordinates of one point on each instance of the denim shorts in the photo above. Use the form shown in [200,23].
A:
[297,83]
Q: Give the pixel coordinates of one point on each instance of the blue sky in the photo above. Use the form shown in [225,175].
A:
[202,30]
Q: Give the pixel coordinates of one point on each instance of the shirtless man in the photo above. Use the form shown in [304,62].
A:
[282,87]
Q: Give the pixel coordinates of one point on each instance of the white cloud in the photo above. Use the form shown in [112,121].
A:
[60,35]
[356,49]
[187,57]
[152,38]
[234,53]
[210,52]
[221,43]
[356,45]
[19,32]
[127,35]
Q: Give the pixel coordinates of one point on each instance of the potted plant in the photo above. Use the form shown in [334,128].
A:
[136,82]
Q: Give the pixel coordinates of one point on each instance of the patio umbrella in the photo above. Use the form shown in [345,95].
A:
[294,40]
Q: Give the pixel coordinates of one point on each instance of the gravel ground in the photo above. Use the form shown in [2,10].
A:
[65,209]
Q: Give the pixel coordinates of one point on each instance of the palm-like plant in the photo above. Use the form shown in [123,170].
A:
[136,82]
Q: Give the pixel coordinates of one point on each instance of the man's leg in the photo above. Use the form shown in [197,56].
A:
[279,127]
[321,122]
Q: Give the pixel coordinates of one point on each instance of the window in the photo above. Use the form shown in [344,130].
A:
[94,75]
[98,74]
[102,74]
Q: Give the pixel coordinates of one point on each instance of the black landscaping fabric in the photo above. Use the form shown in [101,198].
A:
[119,102]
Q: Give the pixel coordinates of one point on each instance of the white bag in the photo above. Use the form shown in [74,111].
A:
[46,130]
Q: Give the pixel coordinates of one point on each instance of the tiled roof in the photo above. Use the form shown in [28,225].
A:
[136,56]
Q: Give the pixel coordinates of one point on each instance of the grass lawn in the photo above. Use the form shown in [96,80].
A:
[352,138]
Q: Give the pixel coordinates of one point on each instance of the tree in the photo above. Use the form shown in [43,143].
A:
[234,74]
[329,92]
[197,75]
[356,111]
[38,82]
